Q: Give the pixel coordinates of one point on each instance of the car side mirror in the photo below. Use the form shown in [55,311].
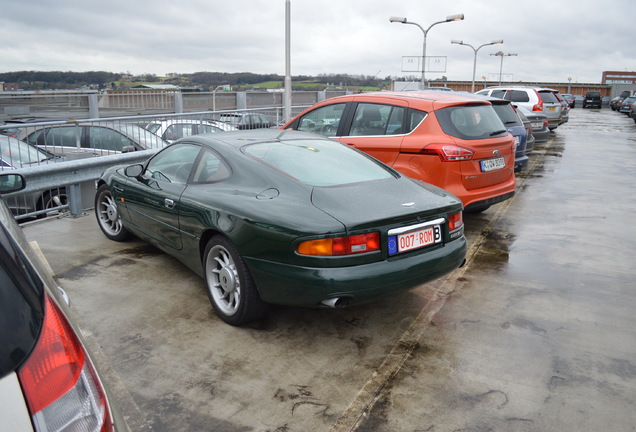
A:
[11,183]
[134,170]
[127,149]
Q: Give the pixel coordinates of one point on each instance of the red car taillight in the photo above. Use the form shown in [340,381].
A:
[338,246]
[455,221]
[539,105]
[448,152]
[59,382]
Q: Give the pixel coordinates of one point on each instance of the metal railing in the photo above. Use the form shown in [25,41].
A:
[58,158]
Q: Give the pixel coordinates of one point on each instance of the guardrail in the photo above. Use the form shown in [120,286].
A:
[70,176]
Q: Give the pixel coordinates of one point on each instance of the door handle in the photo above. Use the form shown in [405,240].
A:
[118,189]
[168,203]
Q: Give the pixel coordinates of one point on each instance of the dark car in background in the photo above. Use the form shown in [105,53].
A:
[515,127]
[527,125]
[539,123]
[569,99]
[627,105]
[48,381]
[247,120]
[592,99]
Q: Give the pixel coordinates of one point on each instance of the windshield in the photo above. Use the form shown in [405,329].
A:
[319,162]
[507,114]
[471,122]
[17,153]
[21,305]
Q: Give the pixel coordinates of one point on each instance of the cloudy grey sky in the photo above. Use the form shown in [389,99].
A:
[554,39]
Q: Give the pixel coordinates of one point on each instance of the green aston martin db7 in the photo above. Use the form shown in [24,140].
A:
[285,217]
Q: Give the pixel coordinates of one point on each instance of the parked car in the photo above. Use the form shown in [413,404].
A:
[18,154]
[285,217]
[565,107]
[533,98]
[514,126]
[615,103]
[247,120]
[48,381]
[539,122]
[592,99]
[100,138]
[527,125]
[443,138]
[571,101]
[172,130]
[627,105]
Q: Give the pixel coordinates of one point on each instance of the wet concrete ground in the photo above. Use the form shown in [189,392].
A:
[536,333]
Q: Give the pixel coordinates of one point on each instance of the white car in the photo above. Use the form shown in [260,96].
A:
[48,381]
[536,99]
[172,130]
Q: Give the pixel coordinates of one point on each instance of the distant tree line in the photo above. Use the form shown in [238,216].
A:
[58,80]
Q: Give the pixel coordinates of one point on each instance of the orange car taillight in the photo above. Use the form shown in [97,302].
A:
[448,152]
[455,221]
[338,246]
[59,382]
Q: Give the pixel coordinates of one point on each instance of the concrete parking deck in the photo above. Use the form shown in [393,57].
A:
[536,333]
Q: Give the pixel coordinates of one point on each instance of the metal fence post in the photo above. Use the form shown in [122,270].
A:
[178,102]
[241,100]
[74,196]
[93,106]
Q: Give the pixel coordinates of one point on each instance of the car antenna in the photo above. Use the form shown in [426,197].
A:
[374,77]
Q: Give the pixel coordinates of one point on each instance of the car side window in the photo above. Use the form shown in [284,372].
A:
[210,168]
[173,164]
[377,119]
[497,93]
[324,120]
[107,139]
[61,136]
[416,117]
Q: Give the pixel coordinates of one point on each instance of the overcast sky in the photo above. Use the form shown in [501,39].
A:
[554,39]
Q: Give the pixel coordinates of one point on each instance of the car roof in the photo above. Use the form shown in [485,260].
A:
[439,99]
[239,138]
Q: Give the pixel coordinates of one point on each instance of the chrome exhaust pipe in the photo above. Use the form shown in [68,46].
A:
[331,302]
[336,302]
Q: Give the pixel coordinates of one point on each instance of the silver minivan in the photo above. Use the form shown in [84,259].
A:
[532,98]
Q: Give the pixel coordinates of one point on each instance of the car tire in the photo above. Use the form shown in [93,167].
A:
[51,199]
[108,217]
[229,285]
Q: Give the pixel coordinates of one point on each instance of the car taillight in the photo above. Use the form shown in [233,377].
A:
[59,382]
[455,221]
[448,152]
[539,105]
[338,246]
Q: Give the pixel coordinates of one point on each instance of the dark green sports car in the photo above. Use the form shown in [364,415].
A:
[285,217]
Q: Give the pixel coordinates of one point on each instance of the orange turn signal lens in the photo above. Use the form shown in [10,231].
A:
[338,246]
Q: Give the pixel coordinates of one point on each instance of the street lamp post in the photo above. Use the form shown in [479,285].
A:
[501,54]
[403,20]
[458,42]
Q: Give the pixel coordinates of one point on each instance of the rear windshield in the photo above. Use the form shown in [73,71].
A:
[507,114]
[319,162]
[21,303]
[549,97]
[471,122]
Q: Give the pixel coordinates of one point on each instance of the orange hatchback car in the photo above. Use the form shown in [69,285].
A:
[452,141]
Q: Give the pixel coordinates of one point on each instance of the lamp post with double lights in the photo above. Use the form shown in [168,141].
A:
[502,55]
[458,42]
[403,20]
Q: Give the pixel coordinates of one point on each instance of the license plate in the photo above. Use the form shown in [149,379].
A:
[537,125]
[415,237]
[517,141]
[493,164]
[551,108]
